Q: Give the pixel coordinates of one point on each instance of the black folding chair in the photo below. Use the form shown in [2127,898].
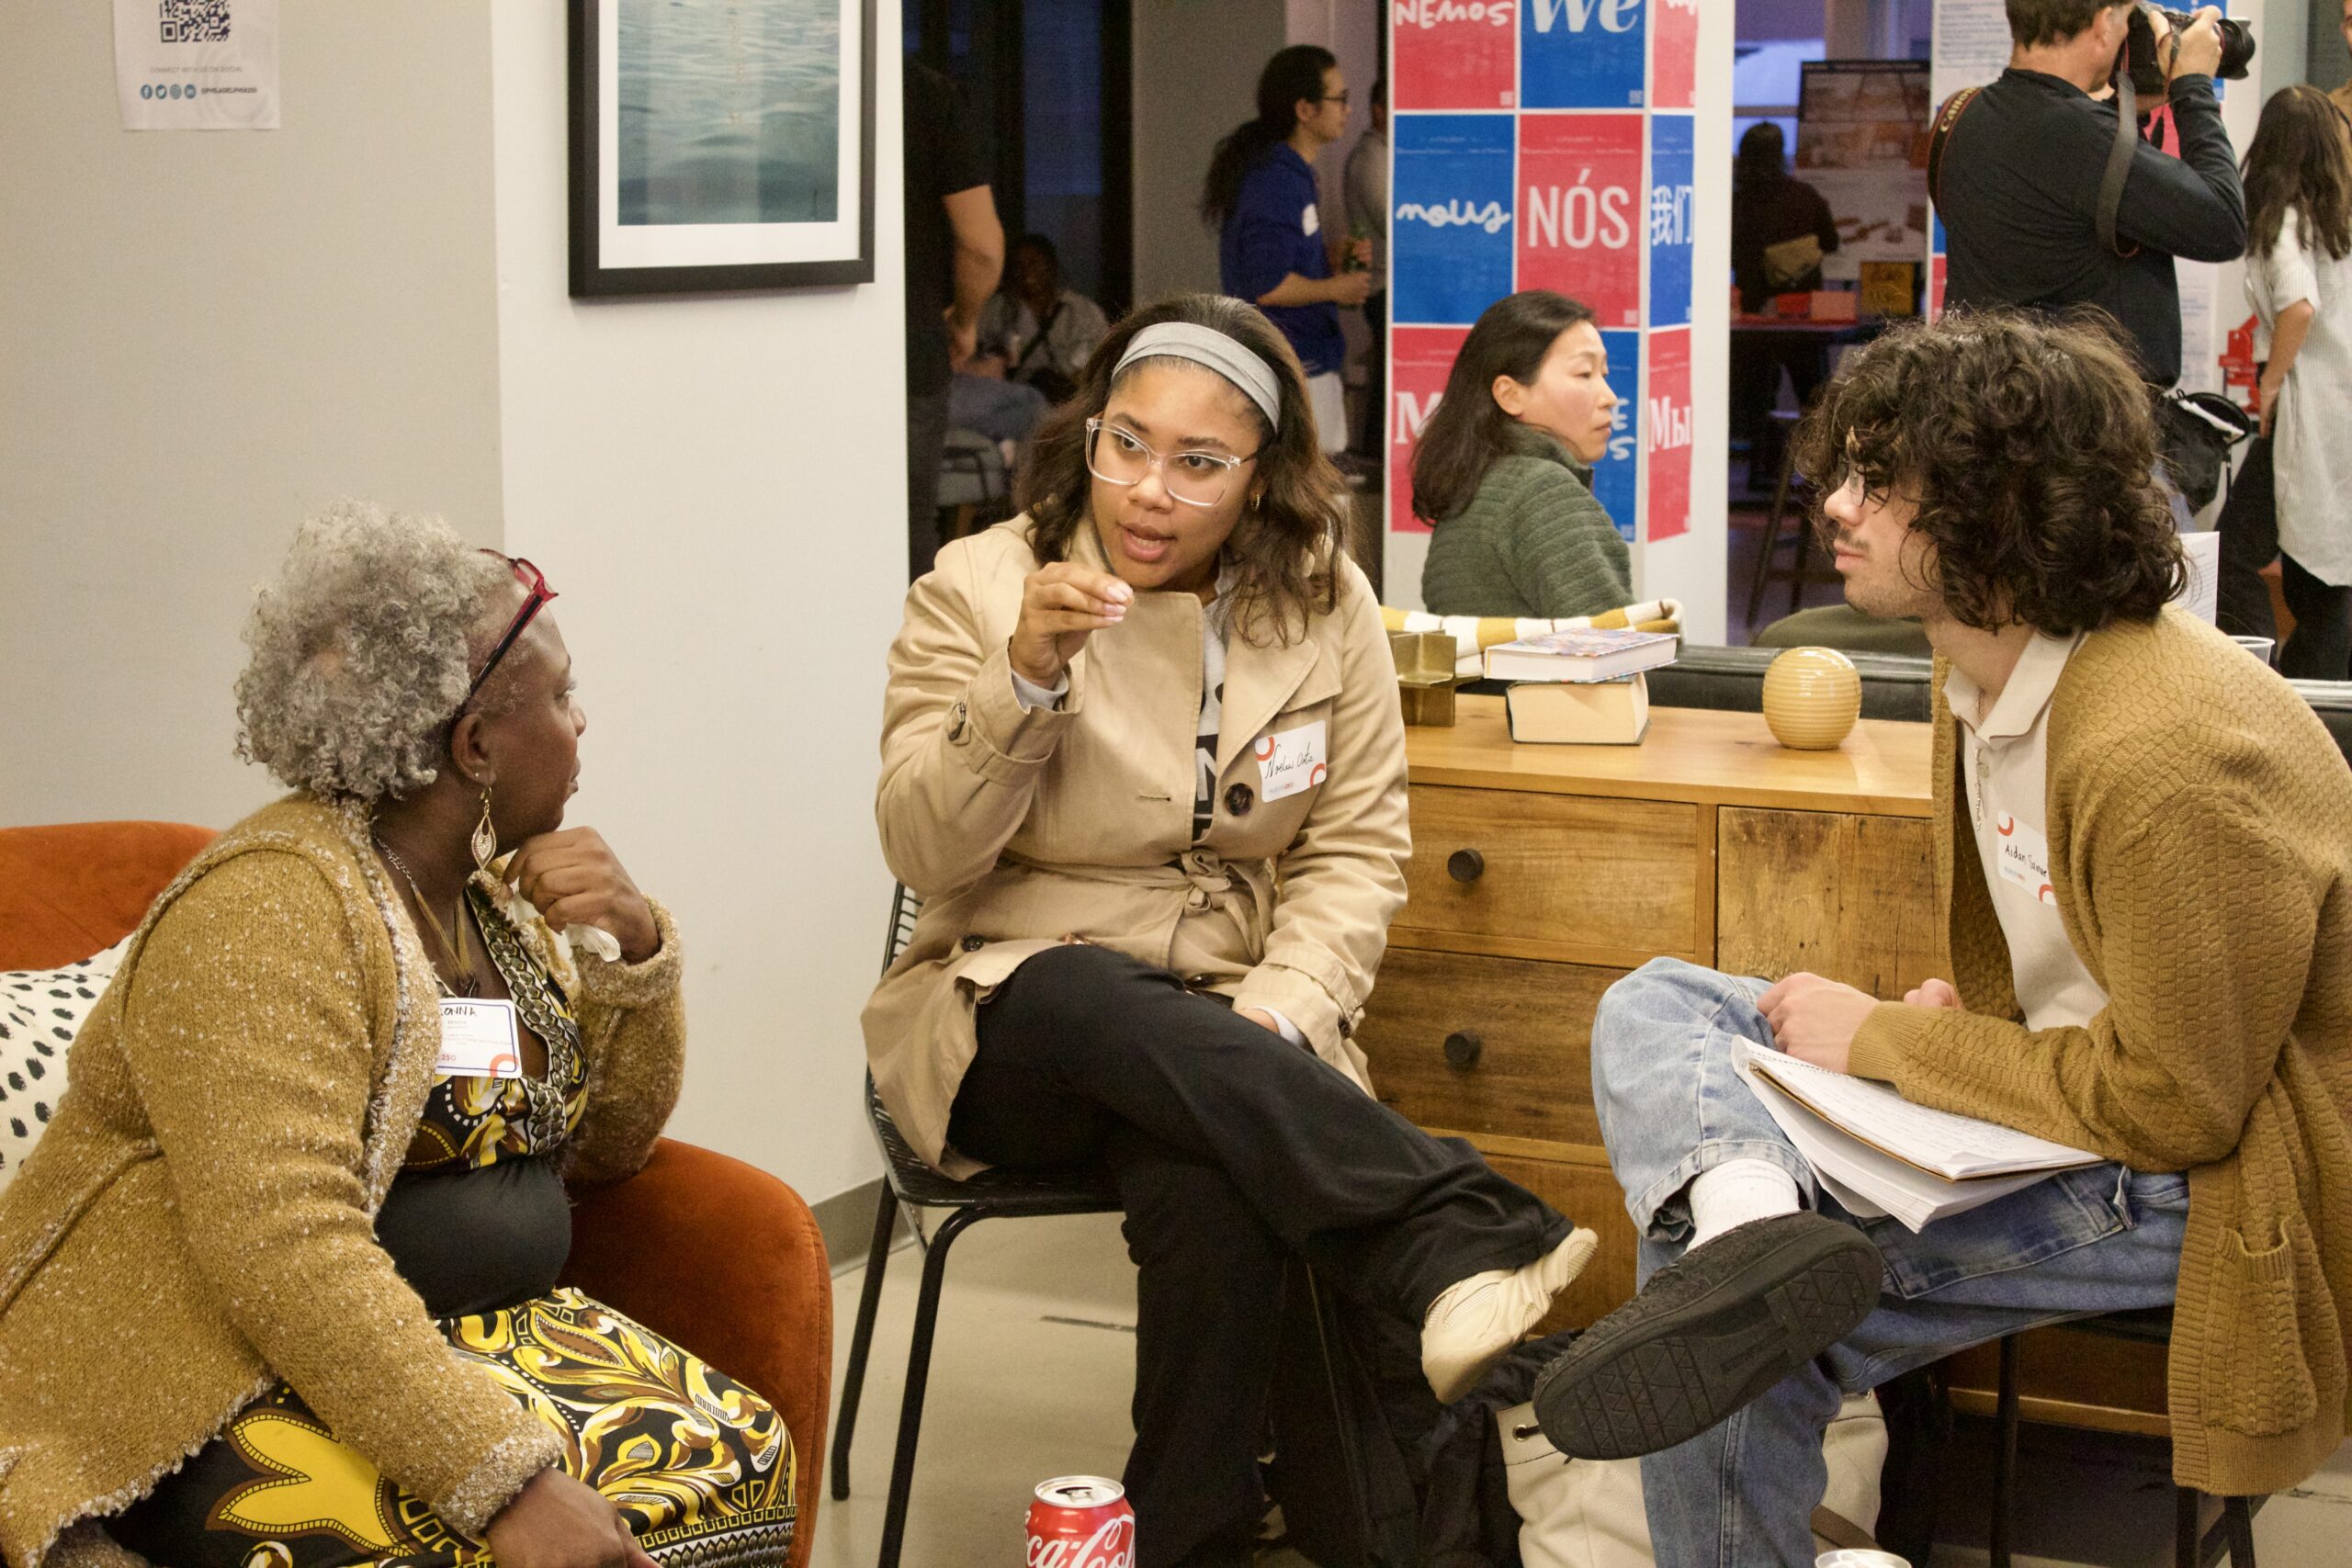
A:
[2232,1535]
[990,1194]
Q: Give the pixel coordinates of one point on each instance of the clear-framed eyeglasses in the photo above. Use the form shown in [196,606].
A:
[1118,456]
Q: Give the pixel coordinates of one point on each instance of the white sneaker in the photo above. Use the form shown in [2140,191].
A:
[1477,1320]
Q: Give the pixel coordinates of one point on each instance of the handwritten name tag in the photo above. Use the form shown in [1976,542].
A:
[479,1040]
[1291,761]
[2023,856]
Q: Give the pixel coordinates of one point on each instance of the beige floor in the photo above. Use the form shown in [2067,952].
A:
[1032,1370]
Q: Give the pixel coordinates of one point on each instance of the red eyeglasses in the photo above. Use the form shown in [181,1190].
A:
[535,580]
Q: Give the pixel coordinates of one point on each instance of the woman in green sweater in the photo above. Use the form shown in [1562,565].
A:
[1504,469]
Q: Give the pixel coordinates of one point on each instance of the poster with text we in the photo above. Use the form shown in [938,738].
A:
[1547,144]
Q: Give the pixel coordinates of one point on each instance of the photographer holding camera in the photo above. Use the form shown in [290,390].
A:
[2022,167]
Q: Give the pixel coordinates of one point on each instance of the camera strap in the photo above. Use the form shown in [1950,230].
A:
[1946,118]
[2119,160]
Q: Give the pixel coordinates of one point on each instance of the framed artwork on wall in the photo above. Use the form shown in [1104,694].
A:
[720,146]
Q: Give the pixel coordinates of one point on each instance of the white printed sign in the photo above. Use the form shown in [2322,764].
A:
[1291,761]
[197,64]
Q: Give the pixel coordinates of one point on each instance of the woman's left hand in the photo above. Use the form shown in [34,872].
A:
[572,877]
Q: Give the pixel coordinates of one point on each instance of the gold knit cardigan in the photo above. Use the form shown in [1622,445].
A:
[2201,844]
[199,1219]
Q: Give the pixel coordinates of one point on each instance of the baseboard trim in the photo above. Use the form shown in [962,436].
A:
[846,1222]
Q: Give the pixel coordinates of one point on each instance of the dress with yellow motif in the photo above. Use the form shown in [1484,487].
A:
[478,1223]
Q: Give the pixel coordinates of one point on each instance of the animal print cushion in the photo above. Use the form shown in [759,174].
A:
[40,1009]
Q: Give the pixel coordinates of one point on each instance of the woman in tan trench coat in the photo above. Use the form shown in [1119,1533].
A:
[1143,760]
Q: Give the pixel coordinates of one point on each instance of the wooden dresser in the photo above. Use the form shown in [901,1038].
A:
[1541,873]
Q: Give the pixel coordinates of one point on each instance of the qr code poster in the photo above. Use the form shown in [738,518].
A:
[1420,358]
[1455,54]
[197,64]
[1582,212]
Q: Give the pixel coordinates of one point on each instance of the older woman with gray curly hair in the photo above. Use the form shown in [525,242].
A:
[277,1289]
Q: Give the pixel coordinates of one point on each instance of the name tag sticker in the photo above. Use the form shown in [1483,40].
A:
[479,1040]
[2023,856]
[1291,761]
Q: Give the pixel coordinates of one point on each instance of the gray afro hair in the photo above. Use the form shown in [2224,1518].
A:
[360,651]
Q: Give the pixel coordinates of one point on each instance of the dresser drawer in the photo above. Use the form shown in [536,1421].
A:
[1485,1046]
[1581,878]
[1850,897]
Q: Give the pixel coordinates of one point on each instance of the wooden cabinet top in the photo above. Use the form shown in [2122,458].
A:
[1694,755]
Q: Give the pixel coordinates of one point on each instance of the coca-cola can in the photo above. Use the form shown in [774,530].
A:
[1082,1521]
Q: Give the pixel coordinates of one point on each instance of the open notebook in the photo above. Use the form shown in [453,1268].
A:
[1878,1154]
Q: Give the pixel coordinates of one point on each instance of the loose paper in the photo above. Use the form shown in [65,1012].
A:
[197,64]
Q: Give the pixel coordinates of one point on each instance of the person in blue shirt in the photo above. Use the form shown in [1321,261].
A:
[1272,251]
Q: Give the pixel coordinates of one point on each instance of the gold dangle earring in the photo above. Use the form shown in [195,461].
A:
[485,839]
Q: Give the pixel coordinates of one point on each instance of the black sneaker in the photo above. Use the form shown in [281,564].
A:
[1710,1331]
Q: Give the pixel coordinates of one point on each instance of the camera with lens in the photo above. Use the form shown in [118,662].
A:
[2150,25]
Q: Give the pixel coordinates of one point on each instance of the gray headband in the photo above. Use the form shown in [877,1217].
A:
[1207,345]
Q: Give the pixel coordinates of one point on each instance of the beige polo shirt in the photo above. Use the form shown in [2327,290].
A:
[2005,755]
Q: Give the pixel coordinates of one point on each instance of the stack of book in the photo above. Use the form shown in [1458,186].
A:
[1579,688]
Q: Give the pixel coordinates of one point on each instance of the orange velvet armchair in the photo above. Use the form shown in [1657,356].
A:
[718,1255]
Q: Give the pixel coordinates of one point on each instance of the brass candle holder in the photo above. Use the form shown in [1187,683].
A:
[1426,683]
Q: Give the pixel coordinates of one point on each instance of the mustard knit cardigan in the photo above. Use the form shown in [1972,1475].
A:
[199,1219]
[2200,842]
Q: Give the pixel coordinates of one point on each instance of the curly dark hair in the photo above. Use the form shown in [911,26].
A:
[1284,548]
[2029,447]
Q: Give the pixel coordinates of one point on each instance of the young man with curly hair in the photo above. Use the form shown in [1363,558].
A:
[2143,866]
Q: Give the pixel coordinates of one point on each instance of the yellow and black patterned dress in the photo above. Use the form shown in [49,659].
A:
[477,1222]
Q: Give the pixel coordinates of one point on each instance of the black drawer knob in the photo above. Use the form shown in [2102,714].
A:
[1466,866]
[1461,1049]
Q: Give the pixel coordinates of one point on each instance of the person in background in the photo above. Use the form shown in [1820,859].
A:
[954,252]
[1035,332]
[1272,251]
[2143,847]
[1504,469]
[1365,187]
[1779,226]
[1142,757]
[2293,495]
[2342,96]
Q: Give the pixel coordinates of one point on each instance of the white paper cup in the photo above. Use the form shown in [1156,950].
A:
[2260,646]
[1858,1557]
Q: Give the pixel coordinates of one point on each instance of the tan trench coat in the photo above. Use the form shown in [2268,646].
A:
[1022,828]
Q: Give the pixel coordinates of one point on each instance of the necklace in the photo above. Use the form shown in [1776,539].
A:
[462,979]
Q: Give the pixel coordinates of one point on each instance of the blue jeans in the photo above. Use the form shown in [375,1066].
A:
[2096,1240]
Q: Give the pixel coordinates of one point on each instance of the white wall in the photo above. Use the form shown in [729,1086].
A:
[202,337]
[1197,65]
[1691,568]
[717,487]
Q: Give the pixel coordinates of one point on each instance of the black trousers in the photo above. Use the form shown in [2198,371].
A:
[1373,431]
[1231,1149]
[926,446]
[2320,648]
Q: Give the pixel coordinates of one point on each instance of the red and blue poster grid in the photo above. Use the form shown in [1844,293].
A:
[1548,145]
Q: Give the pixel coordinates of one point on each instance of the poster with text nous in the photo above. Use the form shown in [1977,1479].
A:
[1583,54]
[1450,216]
[1581,210]
[1421,358]
[1455,54]
[1666,433]
[1616,479]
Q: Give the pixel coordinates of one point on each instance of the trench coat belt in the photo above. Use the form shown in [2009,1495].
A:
[1202,872]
